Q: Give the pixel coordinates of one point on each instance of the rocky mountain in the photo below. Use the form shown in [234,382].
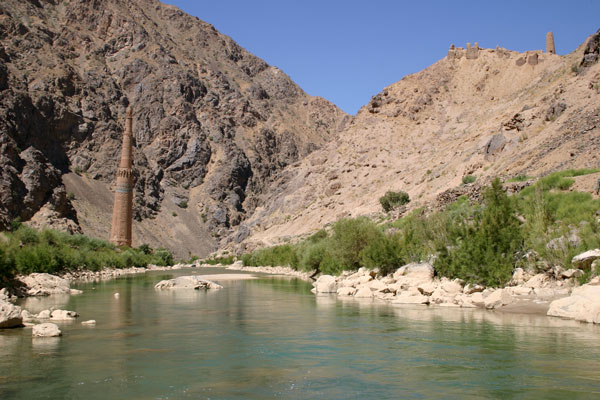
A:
[213,124]
[479,112]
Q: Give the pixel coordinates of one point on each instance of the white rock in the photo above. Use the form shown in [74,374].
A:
[89,322]
[406,298]
[377,285]
[584,260]
[187,282]
[364,292]
[519,290]
[498,298]
[43,284]
[439,296]
[477,299]
[452,287]
[10,315]
[26,316]
[571,273]
[63,315]
[537,281]
[545,293]
[44,314]
[582,305]
[75,291]
[417,271]
[46,330]
[346,291]
[116,295]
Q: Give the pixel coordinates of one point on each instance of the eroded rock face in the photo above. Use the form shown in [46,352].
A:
[207,114]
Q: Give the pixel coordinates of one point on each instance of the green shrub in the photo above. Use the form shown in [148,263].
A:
[392,200]
[350,236]
[520,178]
[28,250]
[468,179]
[485,251]
[183,204]
[220,260]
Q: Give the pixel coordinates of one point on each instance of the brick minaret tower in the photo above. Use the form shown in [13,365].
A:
[550,43]
[120,232]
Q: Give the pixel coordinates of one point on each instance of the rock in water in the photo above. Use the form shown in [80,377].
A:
[187,282]
[63,315]
[582,305]
[45,284]
[46,330]
[325,284]
[10,315]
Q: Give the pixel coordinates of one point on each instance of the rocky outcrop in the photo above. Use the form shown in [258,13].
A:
[46,330]
[42,284]
[10,315]
[187,282]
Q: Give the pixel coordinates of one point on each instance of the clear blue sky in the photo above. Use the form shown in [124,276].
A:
[348,50]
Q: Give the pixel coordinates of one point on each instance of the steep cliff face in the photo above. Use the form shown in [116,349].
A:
[213,124]
[480,112]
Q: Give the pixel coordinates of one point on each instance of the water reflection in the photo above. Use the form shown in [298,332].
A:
[266,338]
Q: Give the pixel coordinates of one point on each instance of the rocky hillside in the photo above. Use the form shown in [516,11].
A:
[479,112]
[213,124]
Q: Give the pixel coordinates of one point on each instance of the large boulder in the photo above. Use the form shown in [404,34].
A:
[364,292]
[498,298]
[414,274]
[42,284]
[585,260]
[45,330]
[346,291]
[187,282]
[582,305]
[10,315]
[325,284]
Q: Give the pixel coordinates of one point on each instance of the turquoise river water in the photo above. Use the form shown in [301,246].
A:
[271,338]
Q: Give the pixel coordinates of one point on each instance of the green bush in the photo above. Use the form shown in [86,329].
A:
[485,251]
[220,260]
[469,179]
[392,200]
[27,250]
[183,204]
[520,178]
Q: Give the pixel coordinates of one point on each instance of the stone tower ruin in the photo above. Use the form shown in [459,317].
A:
[120,232]
[550,43]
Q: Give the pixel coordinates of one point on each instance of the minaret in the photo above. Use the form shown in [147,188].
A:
[120,232]
[550,43]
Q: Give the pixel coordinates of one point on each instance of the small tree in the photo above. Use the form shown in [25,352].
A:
[486,248]
[391,200]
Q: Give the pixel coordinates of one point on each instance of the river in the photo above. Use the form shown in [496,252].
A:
[272,338]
